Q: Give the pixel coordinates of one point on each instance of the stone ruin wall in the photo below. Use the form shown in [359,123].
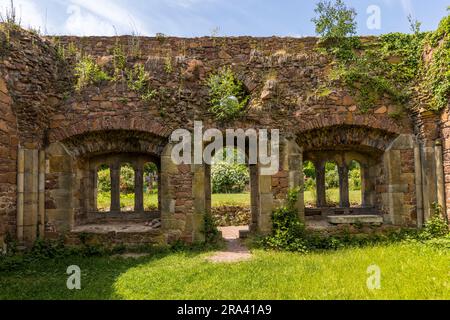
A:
[284,78]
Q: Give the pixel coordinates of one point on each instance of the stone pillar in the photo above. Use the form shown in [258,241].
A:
[398,162]
[429,184]
[199,190]
[254,197]
[139,188]
[30,195]
[344,201]
[168,201]
[20,192]
[115,187]
[63,188]
[419,184]
[295,169]
[320,184]
[440,181]
[266,203]
[41,191]
[208,190]
[367,187]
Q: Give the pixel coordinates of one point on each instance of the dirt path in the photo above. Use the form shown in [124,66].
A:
[235,251]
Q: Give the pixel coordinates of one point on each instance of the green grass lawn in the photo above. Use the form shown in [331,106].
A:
[241,199]
[333,197]
[126,201]
[408,271]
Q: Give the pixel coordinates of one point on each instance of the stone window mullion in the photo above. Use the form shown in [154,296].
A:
[320,184]
[139,188]
[115,187]
[344,195]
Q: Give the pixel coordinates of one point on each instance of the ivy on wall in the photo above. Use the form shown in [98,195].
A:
[391,66]
[436,72]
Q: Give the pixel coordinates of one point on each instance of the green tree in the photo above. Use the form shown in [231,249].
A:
[334,20]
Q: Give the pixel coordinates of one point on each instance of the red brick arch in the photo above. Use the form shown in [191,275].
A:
[347,137]
[110,123]
[369,121]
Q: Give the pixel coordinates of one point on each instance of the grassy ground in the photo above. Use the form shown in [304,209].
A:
[333,197]
[242,199]
[408,271]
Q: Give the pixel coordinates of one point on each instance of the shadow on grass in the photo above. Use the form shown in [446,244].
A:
[31,278]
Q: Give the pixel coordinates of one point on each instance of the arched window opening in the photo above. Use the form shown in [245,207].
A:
[310,184]
[127,188]
[332,184]
[151,187]
[355,183]
[103,188]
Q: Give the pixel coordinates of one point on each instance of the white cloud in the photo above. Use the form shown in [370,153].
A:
[27,12]
[186,3]
[84,23]
[407,7]
[100,17]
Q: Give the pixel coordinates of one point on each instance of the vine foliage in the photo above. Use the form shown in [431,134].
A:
[228,97]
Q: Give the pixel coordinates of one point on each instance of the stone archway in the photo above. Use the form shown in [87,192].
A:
[387,176]
[72,171]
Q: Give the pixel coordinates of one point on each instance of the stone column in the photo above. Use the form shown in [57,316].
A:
[428,178]
[199,190]
[419,185]
[139,188]
[41,191]
[20,192]
[344,201]
[266,202]
[254,197]
[295,169]
[440,181]
[167,192]
[320,184]
[115,187]
[367,186]
[31,194]
[400,181]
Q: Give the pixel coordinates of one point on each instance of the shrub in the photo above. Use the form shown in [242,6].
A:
[435,227]
[227,95]
[210,229]
[331,176]
[88,72]
[127,179]
[355,179]
[287,230]
[104,180]
[310,184]
[229,177]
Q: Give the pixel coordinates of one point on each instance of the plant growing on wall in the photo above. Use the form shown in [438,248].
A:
[367,70]
[227,95]
[436,72]
[138,81]
[88,72]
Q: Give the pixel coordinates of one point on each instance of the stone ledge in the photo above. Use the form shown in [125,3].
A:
[115,228]
[353,219]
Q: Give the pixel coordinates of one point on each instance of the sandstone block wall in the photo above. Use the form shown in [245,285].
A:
[58,130]
[8,164]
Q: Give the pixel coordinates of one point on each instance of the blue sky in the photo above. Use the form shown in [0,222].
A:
[191,18]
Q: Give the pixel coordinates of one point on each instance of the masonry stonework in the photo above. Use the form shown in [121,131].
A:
[50,134]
